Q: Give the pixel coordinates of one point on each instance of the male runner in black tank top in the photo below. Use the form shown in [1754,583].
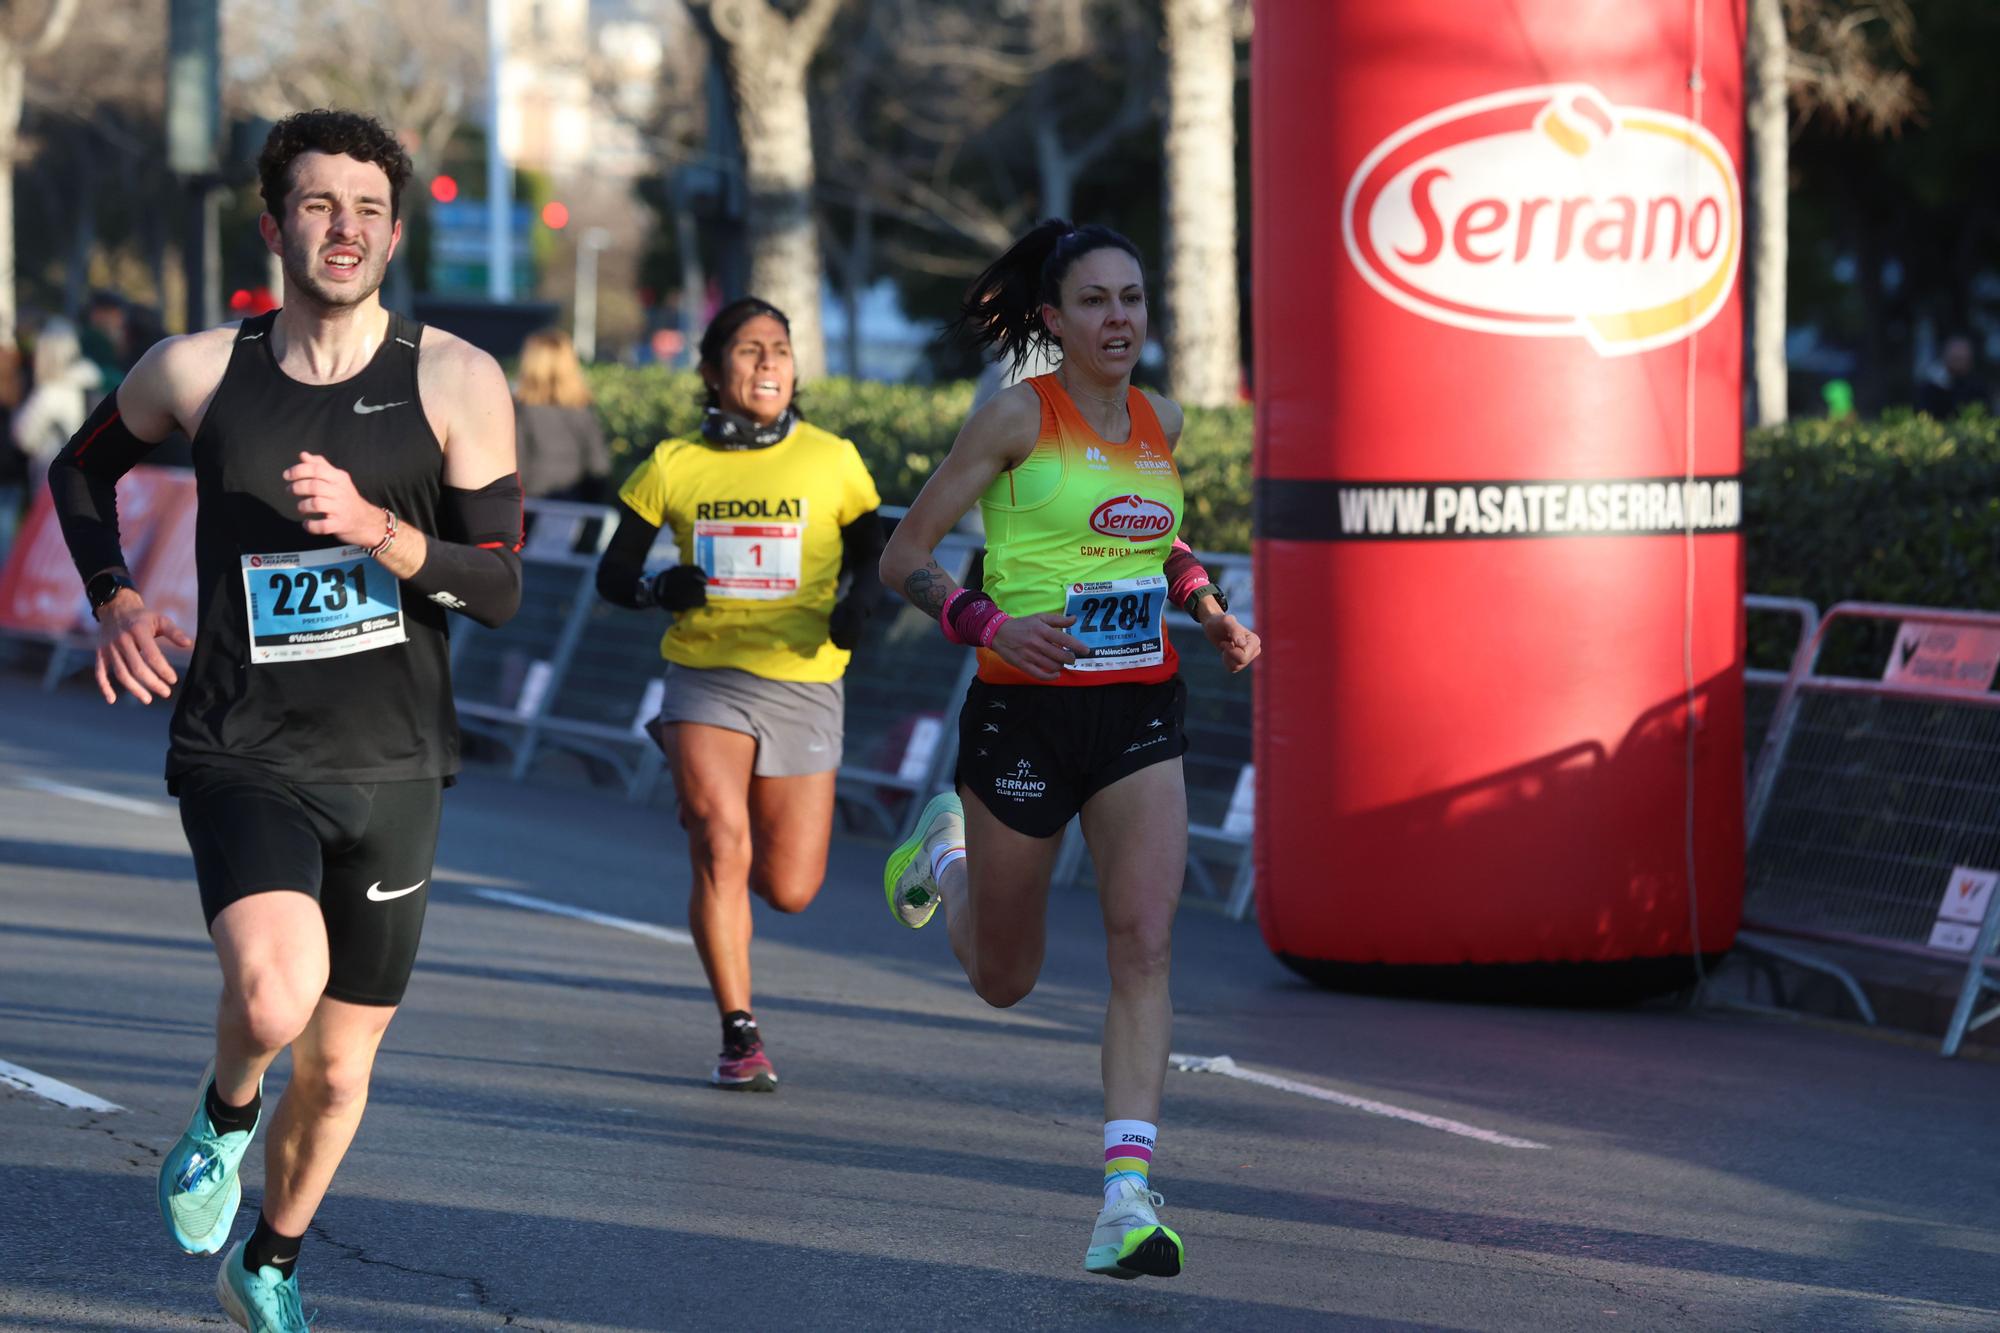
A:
[356,479]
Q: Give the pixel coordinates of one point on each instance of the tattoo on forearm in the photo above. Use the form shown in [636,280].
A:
[927,588]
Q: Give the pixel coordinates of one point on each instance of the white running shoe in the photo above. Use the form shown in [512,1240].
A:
[906,879]
[1129,1241]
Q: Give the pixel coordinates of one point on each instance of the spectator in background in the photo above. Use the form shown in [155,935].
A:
[66,384]
[558,435]
[1955,384]
[105,339]
[13,460]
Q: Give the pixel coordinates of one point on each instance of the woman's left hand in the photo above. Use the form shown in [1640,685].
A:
[1239,646]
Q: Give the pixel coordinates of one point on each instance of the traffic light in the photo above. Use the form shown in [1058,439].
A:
[444,188]
[555,215]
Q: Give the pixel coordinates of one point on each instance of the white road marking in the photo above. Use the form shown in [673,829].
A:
[645,928]
[1222,1064]
[128,804]
[53,1089]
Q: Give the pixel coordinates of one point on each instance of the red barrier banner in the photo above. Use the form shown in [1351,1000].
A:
[40,593]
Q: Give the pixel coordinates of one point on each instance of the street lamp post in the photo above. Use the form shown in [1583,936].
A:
[588,244]
[499,184]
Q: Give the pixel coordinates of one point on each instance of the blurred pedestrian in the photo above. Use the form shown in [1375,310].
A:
[106,338]
[1955,384]
[561,441]
[66,384]
[14,492]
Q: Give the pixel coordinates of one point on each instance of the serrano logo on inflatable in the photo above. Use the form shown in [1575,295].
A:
[1132,517]
[1550,212]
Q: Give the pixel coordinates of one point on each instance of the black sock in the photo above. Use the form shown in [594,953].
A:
[739,1030]
[267,1249]
[229,1119]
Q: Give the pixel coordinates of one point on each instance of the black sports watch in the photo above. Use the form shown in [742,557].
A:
[1208,590]
[103,587]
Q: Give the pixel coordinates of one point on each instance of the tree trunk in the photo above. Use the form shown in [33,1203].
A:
[1053,166]
[1769,123]
[766,57]
[1204,353]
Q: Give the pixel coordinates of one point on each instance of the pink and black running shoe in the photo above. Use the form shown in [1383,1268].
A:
[743,1066]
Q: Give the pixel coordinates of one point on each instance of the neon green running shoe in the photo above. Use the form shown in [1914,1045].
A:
[906,879]
[1129,1241]
[198,1190]
[265,1301]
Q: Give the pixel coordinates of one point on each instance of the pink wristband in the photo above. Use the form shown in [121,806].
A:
[982,620]
[1184,573]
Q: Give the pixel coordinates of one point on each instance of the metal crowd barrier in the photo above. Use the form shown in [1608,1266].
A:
[1763,684]
[1868,797]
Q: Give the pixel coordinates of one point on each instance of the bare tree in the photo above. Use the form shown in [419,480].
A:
[91,159]
[27,32]
[766,54]
[424,59]
[1204,350]
[1842,60]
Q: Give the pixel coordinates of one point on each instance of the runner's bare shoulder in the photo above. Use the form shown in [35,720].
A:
[1005,427]
[175,381]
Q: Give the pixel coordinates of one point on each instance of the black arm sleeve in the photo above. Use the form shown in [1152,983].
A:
[861,544]
[623,565]
[481,575]
[83,478]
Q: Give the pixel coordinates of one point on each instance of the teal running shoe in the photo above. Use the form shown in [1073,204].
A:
[906,879]
[1129,1241]
[265,1301]
[199,1192]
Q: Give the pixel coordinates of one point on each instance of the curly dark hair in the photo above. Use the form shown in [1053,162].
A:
[328,131]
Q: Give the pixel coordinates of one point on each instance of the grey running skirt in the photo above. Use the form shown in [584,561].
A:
[796,723]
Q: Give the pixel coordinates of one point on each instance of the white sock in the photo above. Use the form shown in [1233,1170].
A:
[943,856]
[1128,1153]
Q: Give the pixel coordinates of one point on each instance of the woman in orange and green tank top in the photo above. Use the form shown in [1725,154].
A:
[1078,705]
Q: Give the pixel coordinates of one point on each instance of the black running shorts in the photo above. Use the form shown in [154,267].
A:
[1033,754]
[363,851]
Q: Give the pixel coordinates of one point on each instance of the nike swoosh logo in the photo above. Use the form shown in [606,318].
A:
[375,893]
[362,408]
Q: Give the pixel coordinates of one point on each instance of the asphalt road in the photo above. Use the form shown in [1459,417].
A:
[541,1150]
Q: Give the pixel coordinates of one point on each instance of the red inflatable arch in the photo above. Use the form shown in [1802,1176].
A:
[1499,555]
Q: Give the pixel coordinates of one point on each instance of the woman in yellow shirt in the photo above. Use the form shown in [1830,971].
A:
[1078,707]
[771,516]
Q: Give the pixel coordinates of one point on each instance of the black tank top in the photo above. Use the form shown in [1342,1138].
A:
[295,691]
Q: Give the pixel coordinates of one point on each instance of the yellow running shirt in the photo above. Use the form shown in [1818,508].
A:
[765,525]
[1083,527]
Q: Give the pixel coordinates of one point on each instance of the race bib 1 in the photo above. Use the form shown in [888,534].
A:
[1121,622]
[757,561]
[311,604]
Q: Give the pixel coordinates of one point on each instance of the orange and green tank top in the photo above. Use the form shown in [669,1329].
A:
[1083,526]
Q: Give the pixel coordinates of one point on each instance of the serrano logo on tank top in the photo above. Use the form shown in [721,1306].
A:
[1133,517]
[1550,212]
[726,510]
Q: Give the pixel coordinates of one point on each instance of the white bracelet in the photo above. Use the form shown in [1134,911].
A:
[388,538]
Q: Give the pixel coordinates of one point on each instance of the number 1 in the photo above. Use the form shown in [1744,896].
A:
[757,553]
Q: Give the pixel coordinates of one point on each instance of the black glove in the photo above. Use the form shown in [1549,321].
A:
[843,624]
[682,588]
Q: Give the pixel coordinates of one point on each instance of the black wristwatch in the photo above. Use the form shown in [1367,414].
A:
[103,587]
[1208,589]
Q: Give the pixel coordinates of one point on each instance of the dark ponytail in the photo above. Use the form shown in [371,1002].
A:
[1002,311]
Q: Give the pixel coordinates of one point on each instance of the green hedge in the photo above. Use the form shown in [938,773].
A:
[1906,509]
[904,431]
